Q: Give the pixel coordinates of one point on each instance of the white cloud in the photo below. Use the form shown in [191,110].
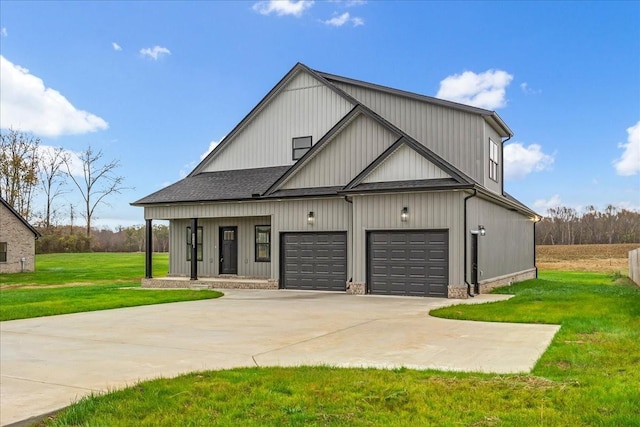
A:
[340,20]
[212,145]
[116,46]
[3,32]
[629,163]
[155,52]
[527,90]
[484,90]
[543,205]
[282,7]
[520,161]
[26,104]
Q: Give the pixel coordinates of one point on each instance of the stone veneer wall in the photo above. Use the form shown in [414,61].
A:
[168,283]
[634,266]
[21,243]
[488,285]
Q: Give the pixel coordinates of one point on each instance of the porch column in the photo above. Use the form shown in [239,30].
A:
[194,248]
[148,265]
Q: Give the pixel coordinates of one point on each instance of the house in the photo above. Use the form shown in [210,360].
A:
[336,184]
[17,241]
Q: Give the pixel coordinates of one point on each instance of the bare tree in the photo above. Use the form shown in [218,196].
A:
[98,181]
[19,163]
[52,179]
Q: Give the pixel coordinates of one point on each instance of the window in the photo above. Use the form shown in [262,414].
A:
[3,251]
[190,243]
[263,243]
[301,146]
[493,160]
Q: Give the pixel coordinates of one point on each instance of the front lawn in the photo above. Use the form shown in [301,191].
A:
[24,303]
[588,376]
[87,268]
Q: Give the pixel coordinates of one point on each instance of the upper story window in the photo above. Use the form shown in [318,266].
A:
[300,146]
[494,156]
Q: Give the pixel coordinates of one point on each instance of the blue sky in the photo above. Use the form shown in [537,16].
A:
[155,84]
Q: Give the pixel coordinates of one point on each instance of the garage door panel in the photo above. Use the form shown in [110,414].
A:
[408,263]
[315,261]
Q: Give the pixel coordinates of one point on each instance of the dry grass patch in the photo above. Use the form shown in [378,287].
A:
[599,258]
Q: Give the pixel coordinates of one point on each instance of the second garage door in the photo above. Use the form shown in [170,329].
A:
[412,263]
[314,261]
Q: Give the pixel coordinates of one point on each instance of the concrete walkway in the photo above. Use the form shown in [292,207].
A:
[47,363]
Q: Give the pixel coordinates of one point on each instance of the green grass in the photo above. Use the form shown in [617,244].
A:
[73,283]
[90,268]
[27,303]
[589,376]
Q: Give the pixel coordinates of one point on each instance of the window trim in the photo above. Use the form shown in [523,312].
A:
[4,253]
[301,151]
[199,248]
[494,162]
[259,244]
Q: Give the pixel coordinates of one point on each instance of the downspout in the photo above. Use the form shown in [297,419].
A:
[350,201]
[475,192]
[502,164]
[536,220]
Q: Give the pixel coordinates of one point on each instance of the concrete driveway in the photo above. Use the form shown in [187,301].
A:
[47,363]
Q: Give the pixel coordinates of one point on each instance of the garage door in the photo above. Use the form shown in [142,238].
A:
[314,261]
[408,262]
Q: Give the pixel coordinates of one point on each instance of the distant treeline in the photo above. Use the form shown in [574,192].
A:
[566,226]
[64,238]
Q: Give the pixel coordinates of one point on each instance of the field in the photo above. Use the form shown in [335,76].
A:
[599,258]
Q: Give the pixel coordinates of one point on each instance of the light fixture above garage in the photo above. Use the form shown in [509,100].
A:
[404,214]
[311,218]
[481,230]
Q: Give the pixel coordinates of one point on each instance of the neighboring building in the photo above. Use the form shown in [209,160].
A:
[331,183]
[17,241]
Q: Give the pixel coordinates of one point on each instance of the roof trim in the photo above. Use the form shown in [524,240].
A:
[35,232]
[490,116]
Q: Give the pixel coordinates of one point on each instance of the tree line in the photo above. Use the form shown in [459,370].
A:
[566,226]
[67,238]
[27,168]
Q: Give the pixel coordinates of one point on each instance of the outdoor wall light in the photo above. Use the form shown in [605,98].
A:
[481,230]
[404,214]
[311,218]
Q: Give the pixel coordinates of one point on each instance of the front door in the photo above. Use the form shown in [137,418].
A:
[228,250]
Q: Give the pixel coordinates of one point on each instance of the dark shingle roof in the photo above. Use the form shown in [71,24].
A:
[217,186]
[422,184]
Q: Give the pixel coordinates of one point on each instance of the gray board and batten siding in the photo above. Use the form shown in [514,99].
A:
[305,107]
[458,136]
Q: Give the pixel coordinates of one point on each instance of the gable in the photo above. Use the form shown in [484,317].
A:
[303,106]
[343,157]
[405,164]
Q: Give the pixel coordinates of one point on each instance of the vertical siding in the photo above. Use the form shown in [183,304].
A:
[508,245]
[403,165]
[287,215]
[456,136]
[426,211]
[345,156]
[304,107]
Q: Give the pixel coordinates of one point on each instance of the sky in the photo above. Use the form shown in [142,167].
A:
[156,85]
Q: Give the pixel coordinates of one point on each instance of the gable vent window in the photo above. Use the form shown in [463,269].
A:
[493,160]
[300,146]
